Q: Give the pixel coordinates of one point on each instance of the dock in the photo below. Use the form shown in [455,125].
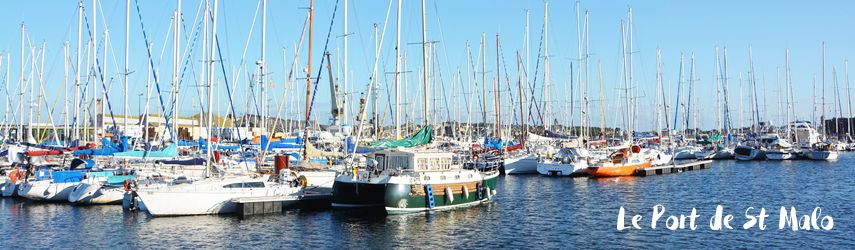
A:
[674,168]
[263,205]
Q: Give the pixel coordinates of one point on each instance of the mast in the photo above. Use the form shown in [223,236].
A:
[203,75]
[579,74]
[658,91]
[849,97]
[630,101]
[469,84]
[8,97]
[602,101]
[626,88]
[175,65]
[523,133]
[309,75]
[546,100]
[837,107]
[691,93]
[345,107]
[95,70]
[210,67]
[397,72]
[484,79]
[40,93]
[790,96]
[127,44]
[425,65]
[527,47]
[726,121]
[262,69]
[718,88]
[21,107]
[496,91]
[822,113]
[374,121]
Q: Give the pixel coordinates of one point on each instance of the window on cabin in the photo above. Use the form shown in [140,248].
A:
[254,184]
[234,185]
[381,162]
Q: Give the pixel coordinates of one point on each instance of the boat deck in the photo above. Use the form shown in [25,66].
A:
[674,168]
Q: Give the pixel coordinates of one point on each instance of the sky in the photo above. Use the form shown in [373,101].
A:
[769,28]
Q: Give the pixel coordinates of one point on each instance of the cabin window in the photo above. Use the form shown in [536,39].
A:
[234,185]
[442,177]
[381,162]
[396,162]
[254,184]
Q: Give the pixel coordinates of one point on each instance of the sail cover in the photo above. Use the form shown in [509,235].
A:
[423,136]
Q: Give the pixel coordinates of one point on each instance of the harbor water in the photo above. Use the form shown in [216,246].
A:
[529,212]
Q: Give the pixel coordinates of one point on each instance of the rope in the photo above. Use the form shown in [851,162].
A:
[231,102]
[320,70]
[101,77]
[153,72]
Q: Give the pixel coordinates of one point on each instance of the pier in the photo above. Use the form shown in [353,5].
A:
[263,205]
[674,168]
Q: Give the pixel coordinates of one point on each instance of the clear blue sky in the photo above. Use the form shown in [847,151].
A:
[674,26]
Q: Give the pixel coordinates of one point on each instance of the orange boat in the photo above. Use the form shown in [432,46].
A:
[621,165]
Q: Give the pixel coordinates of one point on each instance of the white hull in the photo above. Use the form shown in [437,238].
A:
[86,193]
[778,155]
[823,155]
[723,155]
[704,154]
[685,153]
[206,197]
[46,190]
[562,169]
[320,178]
[522,164]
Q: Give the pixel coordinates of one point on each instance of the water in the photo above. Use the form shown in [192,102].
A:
[529,212]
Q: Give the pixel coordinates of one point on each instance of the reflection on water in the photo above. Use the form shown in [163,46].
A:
[530,211]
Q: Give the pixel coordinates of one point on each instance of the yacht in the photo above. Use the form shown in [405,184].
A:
[414,180]
[216,195]
[567,162]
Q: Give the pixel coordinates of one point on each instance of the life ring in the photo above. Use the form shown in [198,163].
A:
[303,182]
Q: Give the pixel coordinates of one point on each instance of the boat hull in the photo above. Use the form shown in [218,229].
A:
[169,203]
[556,169]
[526,164]
[685,154]
[357,194]
[823,155]
[9,189]
[617,170]
[747,154]
[405,197]
[779,156]
[46,190]
[86,193]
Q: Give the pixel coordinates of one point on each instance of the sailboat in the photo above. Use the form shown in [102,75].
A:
[216,194]
[625,161]
[567,162]
[102,189]
[780,149]
[824,150]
